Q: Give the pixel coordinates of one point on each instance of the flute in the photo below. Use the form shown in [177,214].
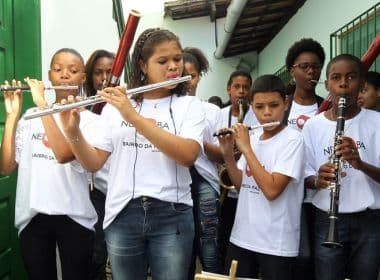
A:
[56,108]
[27,88]
[230,131]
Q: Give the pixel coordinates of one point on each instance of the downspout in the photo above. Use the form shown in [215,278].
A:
[234,11]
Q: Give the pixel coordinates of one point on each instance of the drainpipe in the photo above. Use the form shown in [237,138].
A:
[234,11]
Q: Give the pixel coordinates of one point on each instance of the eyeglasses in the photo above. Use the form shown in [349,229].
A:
[305,66]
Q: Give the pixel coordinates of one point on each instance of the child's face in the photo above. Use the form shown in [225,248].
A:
[269,107]
[102,70]
[195,77]
[165,63]
[239,88]
[344,79]
[369,97]
[66,69]
[307,67]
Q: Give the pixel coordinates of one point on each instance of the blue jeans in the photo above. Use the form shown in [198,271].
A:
[154,233]
[206,220]
[359,234]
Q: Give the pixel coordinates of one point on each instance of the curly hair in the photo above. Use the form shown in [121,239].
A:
[144,49]
[301,46]
[89,68]
[373,78]
[196,57]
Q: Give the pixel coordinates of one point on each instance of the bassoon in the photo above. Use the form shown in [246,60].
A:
[121,55]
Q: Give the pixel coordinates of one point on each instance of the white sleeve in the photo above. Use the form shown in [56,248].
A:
[290,159]
[310,168]
[103,131]
[194,122]
[21,132]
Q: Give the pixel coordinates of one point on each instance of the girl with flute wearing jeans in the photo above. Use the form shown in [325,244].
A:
[153,139]
[358,223]
[52,199]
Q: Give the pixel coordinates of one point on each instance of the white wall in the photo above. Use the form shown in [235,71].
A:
[87,25]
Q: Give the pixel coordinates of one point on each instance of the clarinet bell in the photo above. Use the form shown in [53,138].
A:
[332,239]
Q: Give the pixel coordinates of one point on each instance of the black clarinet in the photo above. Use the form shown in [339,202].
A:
[332,239]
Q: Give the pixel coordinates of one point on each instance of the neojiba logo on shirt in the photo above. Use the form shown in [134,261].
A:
[163,125]
[327,151]
[251,188]
[41,137]
[300,121]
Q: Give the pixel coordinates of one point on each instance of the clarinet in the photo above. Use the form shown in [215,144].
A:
[332,239]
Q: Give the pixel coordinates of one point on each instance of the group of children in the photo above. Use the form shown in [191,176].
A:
[152,158]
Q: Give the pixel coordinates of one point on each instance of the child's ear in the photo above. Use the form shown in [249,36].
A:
[286,101]
[327,85]
[49,75]
[83,80]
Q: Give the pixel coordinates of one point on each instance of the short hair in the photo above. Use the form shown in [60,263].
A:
[238,73]
[347,57]
[196,57]
[216,100]
[301,46]
[67,50]
[89,68]
[373,78]
[268,83]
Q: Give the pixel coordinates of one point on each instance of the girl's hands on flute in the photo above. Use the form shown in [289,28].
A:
[70,119]
[13,100]
[37,89]
[118,98]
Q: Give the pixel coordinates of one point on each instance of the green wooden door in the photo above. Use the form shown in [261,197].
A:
[20,56]
[8,241]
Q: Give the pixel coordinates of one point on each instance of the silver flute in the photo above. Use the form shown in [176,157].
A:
[27,88]
[56,108]
[230,131]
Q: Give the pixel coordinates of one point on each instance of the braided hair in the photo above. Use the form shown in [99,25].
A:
[144,49]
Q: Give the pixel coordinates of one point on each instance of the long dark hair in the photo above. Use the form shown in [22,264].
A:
[89,68]
[144,48]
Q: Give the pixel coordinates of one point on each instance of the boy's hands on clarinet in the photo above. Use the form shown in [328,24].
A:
[13,100]
[348,152]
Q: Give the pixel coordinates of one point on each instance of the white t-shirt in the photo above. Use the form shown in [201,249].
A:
[299,114]
[205,167]
[227,121]
[271,227]
[137,168]
[358,191]
[46,186]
